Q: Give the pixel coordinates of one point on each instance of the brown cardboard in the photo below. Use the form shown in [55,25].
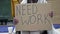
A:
[32,17]
[56,7]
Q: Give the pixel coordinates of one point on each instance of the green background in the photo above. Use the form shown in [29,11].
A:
[5,9]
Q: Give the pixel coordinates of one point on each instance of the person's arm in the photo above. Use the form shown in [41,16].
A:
[24,2]
[42,1]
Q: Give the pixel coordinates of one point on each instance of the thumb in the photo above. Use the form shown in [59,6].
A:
[15,21]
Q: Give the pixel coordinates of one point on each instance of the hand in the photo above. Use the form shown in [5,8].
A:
[15,21]
[51,14]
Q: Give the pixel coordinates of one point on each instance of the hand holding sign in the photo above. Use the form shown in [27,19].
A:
[51,14]
[15,21]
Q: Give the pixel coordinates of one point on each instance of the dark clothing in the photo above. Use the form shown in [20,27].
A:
[32,1]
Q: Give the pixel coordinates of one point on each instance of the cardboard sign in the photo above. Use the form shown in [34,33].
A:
[56,8]
[33,17]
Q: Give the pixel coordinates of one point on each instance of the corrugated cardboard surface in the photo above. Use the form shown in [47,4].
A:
[56,7]
[33,17]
